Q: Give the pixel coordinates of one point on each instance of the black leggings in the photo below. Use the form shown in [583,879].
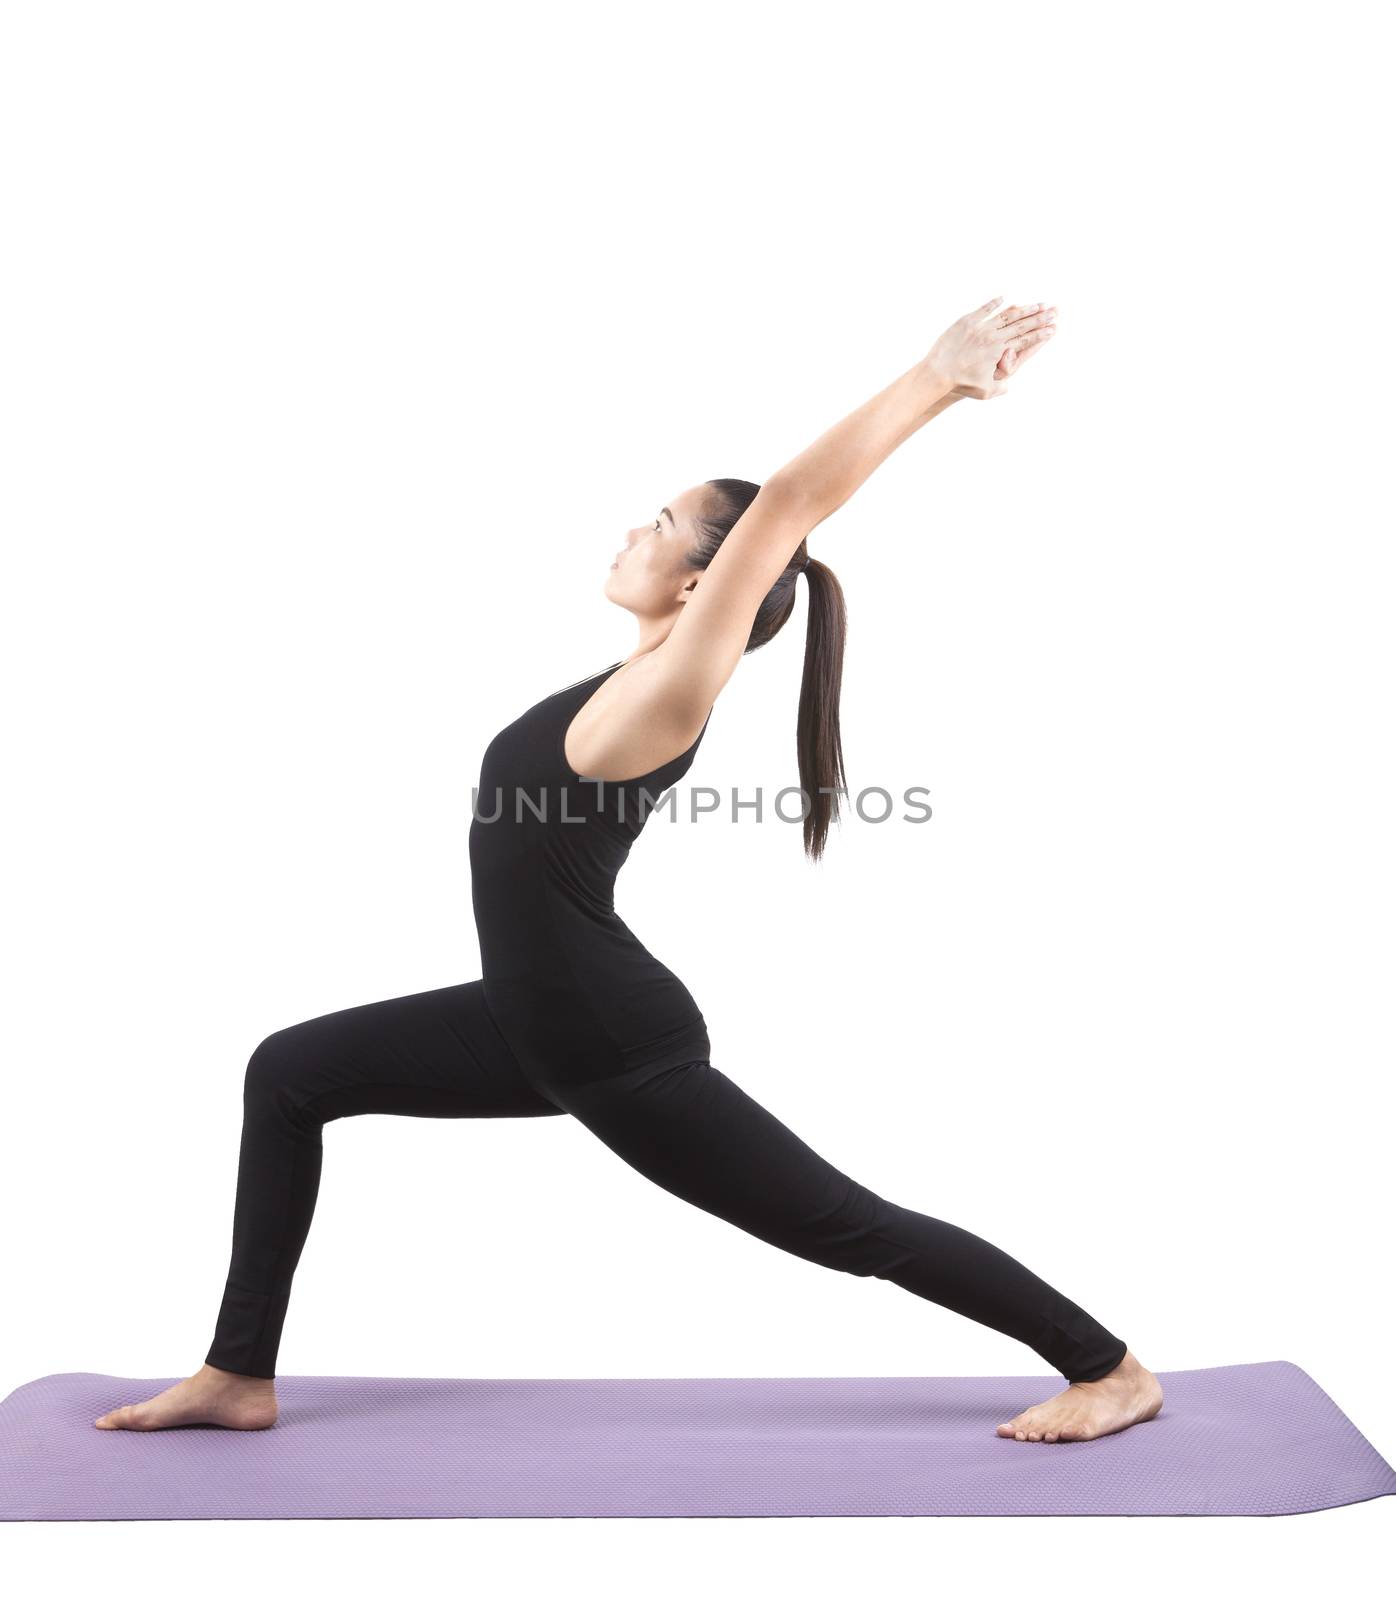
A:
[689,1129]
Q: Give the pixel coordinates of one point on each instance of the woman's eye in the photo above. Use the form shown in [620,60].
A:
[657,528]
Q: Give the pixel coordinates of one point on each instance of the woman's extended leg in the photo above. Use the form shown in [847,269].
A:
[434,1054]
[694,1132]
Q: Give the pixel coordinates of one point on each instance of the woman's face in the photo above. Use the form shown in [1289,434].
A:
[650,575]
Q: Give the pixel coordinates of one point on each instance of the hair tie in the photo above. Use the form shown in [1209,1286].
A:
[806,562]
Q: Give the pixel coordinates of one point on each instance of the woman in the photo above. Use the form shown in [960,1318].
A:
[573,1015]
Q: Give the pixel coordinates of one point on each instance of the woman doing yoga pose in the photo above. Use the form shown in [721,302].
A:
[572,1015]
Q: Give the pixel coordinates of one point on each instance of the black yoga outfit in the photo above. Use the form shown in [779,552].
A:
[573,990]
[573,1015]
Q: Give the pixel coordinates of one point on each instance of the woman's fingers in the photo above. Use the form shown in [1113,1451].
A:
[1020,356]
[1019,350]
[1005,317]
[1030,319]
[1018,319]
[1001,318]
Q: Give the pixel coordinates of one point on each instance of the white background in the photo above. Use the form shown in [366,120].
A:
[342,345]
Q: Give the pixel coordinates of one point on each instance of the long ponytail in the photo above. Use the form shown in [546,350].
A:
[819,747]
[817,737]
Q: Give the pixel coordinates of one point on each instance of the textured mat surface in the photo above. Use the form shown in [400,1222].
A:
[1256,1440]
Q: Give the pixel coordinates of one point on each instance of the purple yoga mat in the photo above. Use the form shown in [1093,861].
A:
[1256,1440]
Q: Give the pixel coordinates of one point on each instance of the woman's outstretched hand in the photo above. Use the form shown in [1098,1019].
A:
[977,355]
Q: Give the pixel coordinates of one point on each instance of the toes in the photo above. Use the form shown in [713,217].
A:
[1028,1426]
[141,1415]
[1034,1427]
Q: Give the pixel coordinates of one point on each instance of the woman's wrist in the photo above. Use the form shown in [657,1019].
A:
[944,403]
[934,385]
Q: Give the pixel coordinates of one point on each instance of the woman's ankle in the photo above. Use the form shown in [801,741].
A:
[209,1370]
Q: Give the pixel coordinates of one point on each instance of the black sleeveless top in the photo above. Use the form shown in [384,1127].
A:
[575,994]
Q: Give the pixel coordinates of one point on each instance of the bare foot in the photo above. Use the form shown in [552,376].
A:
[1128,1394]
[227,1399]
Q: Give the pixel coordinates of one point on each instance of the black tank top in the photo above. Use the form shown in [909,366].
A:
[575,994]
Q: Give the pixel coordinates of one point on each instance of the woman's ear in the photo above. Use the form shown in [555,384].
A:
[689,587]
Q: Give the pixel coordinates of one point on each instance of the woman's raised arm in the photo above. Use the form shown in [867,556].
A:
[974,357]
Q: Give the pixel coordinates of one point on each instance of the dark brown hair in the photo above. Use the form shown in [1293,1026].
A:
[818,745]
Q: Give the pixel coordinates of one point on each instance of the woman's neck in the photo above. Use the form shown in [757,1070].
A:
[653,632]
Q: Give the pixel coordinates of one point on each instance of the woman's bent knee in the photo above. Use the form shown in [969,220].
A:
[277,1068]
